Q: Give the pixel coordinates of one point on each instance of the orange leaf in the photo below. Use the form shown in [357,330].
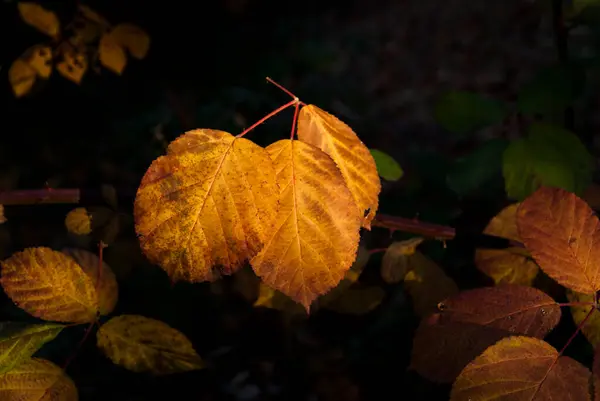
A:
[473,320]
[49,285]
[212,200]
[316,237]
[111,54]
[39,380]
[522,368]
[107,290]
[511,265]
[132,38]
[562,233]
[334,137]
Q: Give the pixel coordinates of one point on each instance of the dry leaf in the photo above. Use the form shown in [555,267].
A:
[21,76]
[211,201]
[141,344]
[111,54]
[132,38]
[39,58]
[316,235]
[37,380]
[49,285]
[107,290]
[394,264]
[79,221]
[19,341]
[353,158]
[37,16]
[73,65]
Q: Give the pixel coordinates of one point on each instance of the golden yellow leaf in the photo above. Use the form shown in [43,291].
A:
[316,236]
[39,58]
[211,201]
[37,380]
[427,284]
[111,54]
[395,259]
[19,341]
[511,265]
[591,328]
[49,285]
[73,65]
[79,221]
[107,290]
[325,131]
[21,77]
[132,38]
[141,344]
[37,16]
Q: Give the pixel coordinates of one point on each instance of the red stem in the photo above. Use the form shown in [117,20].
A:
[414,226]
[265,118]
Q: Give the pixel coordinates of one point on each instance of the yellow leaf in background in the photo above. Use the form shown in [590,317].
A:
[351,277]
[591,328]
[107,290]
[72,66]
[273,299]
[316,236]
[111,54]
[427,284]
[210,202]
[79,221]
[141,344]
[39,58]
[21,77]
[132,38]
[49,285]
[395,259]
[357,301]
[511,265]
[325,131]
[2,217]
[19,341]
[38,17]
[37,380]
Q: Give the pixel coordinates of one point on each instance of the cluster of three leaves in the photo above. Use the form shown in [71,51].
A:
[294,208]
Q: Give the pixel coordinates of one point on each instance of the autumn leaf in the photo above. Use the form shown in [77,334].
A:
[19,341]
[357,301]
[427,284]
[394,264]
[473,320]
[79,221]
[107,290]
[511,265]
[271,298]
[522,368]
[39,57]
[316,236]
[562,233]
[325,131]
[38,17]
[21,76]
[73,65]
[49,285]
[212,200]
[37,380]
[591,328]
[111,55]
[132,38]
[142,344]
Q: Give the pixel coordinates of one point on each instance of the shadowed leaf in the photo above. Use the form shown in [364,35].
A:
[19,341]
[394,264]
[37,380]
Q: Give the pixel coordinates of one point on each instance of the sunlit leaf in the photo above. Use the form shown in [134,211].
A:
[41,19]
[394,264]
[37,380]
[548,156]
[111,55]
[511,265]
[387,167]
[591,328]
[463,112]
[325,131]
[211,201]
[473,320]
[49,285]
[141,344]
[104,281]
[316,236]
[522,368]
[21,76]
[72,66]
[427,284]
[562,234]
[19,341]
[79,221]
[132,38]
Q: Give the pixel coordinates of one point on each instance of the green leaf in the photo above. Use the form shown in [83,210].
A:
[471,172]
[19,341]
[463,112]
[387,167]
[577,9]
[550,156]
[551,89]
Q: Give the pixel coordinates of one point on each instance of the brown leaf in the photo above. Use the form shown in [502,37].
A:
[394,264]
[562,233]
[353,158]
[522,368]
